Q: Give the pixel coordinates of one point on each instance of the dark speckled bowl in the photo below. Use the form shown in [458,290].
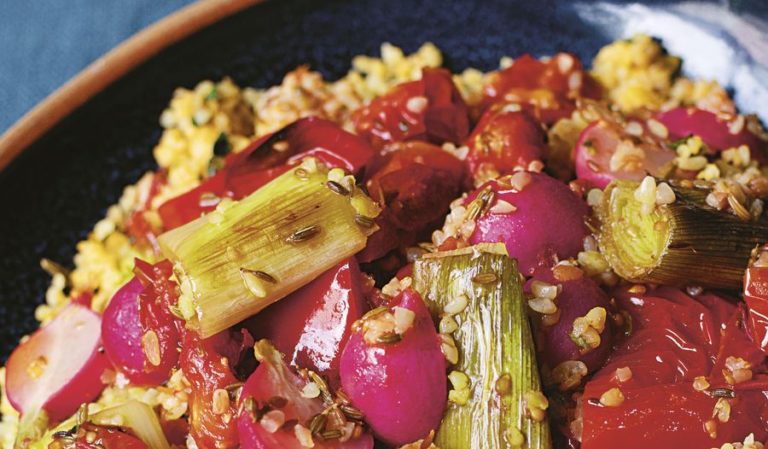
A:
[60,186]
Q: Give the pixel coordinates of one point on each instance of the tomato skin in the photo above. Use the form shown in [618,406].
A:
[756,297]
[547,90]
[312,325]
[415,182]
[506,140]
[207,369]
[675,338]
[159,293]
[394,116]
[267,158]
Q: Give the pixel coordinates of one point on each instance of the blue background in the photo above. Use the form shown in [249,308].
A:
[43,43]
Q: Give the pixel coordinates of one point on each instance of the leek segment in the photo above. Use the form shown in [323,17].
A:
[244,256]
[138,417]
[639,239]
[682,243]
[495,346]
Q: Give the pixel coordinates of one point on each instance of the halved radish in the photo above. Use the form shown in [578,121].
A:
[277,411]
[60,366]
[718,133]
[605,151]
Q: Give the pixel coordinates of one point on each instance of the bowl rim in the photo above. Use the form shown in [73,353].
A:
[110,67]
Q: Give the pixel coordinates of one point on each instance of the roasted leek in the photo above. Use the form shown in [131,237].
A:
[496,401]
[242,257]
[685,242]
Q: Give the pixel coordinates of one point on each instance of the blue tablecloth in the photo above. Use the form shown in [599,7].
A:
[43,43]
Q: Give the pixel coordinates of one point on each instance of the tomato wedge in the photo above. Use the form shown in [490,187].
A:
[264,160]
[312,325]
[60,366]
[676,339]
[91,436]
[428,109]
[416,183]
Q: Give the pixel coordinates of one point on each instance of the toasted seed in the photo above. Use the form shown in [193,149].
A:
[82,414]
[253,282]
[220,401]
[722,393]
[352,412]
[337,188]
[248,405]
[317,423]
[364,221]
[331,434]
[485,278]
[303,435]
[389,338]
[52,267]
[151,346]
[303,234]
[264,276]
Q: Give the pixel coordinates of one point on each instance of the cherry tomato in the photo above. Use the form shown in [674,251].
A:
[504,141]
[312,325]
[415,183]
[158,323]
[209,371]
[427,109]
[265,159]
[547,89]
[674,339]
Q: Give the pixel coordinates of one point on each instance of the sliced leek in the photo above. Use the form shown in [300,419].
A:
[244,256]
[682,243]
[499,403]
[138,417]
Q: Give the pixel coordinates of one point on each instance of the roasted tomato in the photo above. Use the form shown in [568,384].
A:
[427,109]
[91,436]
[264,160]
[312,325]
[547,89]
[208,367]
[416,183]
[161,329]
[695,378]
[756,297]
[504,141]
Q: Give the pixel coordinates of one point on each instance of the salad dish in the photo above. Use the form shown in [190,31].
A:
[540,256]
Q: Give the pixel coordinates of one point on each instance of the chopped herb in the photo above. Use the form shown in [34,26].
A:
[213,94]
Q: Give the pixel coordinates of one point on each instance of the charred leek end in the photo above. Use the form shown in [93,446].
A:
[497,401]
[138,417]
[244,256]
[682,243]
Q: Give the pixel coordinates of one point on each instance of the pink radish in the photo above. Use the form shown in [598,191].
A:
[537,217]
[60,366]
[399,386]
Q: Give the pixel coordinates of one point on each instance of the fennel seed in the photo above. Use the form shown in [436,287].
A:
[351,412]
[389,338]
[485,278]
[303,234]
[253,282]
[337,188]
[364,221]
[317,423]
[331,434]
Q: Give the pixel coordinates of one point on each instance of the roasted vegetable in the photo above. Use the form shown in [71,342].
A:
[393,370]
[139,418]
[55,370]
[495,377]
[242,257]
[681,243]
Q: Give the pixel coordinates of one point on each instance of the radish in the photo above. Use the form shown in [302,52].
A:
[537,217]
[58,368]
[605,151]
[398,383]
[719,134]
